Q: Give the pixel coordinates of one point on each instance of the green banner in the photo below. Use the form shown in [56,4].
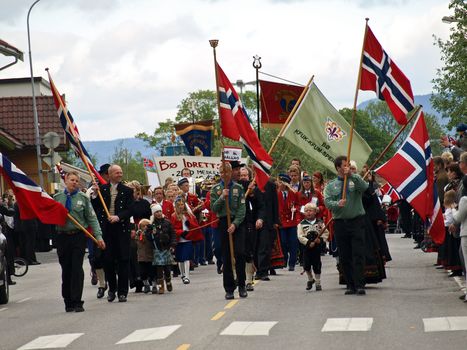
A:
[319,130]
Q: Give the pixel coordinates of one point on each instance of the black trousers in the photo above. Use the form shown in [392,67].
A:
[239,250]
[70,251]
[312,259]
[350,239]
[250,242]
[265,240]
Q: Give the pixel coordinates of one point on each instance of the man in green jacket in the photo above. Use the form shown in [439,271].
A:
[71,241]
[233,193]
[349,224]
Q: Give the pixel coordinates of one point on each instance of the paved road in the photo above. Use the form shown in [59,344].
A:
[416,307]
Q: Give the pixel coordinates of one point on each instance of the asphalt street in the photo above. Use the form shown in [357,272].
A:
[416,307]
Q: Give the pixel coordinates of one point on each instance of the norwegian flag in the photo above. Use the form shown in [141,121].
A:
[71,131]
[410,171]
[148,164]
[387,189]
[33,201]
[236,126]
[60,171]
[381,75]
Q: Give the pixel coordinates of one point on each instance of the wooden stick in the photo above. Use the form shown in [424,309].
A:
[354,111]
[392,141]
[82,228]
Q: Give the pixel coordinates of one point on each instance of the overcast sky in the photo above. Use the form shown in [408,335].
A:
[125,65]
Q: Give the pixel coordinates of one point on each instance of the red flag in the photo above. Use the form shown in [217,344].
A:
[410,172]
[33,201]
[381,75]
[277,101]
[236,125]
[71,131]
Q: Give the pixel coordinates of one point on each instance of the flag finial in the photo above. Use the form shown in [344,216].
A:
[214,43]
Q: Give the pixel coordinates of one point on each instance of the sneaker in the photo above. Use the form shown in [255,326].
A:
[249,287]
[309,284]
[318,287]
[186,280]
[146,288]
[154,289]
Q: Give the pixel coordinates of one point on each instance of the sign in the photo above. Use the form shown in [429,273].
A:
[200,167]
[152,178]
[232,153]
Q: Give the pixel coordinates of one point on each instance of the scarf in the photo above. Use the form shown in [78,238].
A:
[68,198]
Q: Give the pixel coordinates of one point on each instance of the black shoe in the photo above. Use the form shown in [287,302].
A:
[35,263]
[110,296]
[361,291]
[11,282]
[292,268]
[265,278]
[211,262]
[101,292]
[69,309]
[146,289]
[249,287]
[229,296]
[79,308]
[272,272]
[350,291]
[242,292]
[462,297]
[93,278]
[219,270]
[204,263]
[122,298]
[455,273]
[309,284]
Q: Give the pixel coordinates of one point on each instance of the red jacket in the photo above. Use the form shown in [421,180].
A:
[317,198]
[285,209]
[193,201]
[194,233]
[167,208]
[212,217]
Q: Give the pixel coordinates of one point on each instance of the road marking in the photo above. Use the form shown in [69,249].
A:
[51,341]
[351,324]
[440,324]
[149,334]
[231,304]
[218,315]
[184,347]
[23,300]
[249,328]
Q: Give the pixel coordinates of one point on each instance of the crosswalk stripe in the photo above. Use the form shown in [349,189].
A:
[249,328]
[440,324]
[149,334]
[350,324]
[51,341]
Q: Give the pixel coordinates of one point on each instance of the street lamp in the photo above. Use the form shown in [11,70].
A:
[449,19]
[34,107]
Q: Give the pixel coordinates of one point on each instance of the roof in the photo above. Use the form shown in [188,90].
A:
[9,50]
[17,118]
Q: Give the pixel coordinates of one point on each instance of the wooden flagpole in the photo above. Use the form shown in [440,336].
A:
[226,180]
[354,111]
[393,140]
[77,224]
[81,153]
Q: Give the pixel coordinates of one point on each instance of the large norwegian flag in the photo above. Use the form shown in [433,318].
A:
[236,126]
[33,202]
[71,131]
[381,75]
[410,172]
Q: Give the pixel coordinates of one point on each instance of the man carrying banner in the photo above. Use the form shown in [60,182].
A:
[232,192]
[71,242]
[349,224]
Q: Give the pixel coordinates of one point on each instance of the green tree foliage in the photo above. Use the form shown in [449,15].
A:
[132,165]
[450,83]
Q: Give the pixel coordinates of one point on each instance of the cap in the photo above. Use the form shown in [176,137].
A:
[236,164]
[182,181]
[462,127]
[156,207]
[306,178]
[104,168]
[285,178]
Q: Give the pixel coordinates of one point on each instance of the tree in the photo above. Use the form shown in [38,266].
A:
[450,84]
[132,165]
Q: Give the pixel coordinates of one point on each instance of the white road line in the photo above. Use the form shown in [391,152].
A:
[23,300]
[51,341]
[350,324]
[441,324]
[149,334]
[249,328]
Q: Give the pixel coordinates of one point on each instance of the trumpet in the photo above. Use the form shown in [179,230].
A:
[287,185]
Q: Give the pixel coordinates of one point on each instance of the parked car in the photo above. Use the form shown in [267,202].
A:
[4,290]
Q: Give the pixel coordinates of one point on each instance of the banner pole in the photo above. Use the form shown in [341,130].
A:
[257,66]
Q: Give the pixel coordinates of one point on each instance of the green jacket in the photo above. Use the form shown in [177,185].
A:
[353,206]
[82,211]
[236,202]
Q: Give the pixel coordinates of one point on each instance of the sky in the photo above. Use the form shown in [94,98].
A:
[126,65]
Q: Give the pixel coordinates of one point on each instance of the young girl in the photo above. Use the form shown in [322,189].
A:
[163,239]
[144,254]
[187,231]
[308,233]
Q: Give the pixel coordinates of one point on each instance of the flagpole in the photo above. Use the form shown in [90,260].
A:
[393,140]
[354,111]
[82,228]
[214,43]
[294,109]
[257,65]
[81,153]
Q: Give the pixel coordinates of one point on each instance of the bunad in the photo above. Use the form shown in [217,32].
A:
[289,207]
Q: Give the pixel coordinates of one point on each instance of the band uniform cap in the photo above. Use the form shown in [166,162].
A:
[104,168]
[285,178]
[182,181]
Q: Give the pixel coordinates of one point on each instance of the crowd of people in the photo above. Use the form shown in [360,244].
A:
[144,238]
